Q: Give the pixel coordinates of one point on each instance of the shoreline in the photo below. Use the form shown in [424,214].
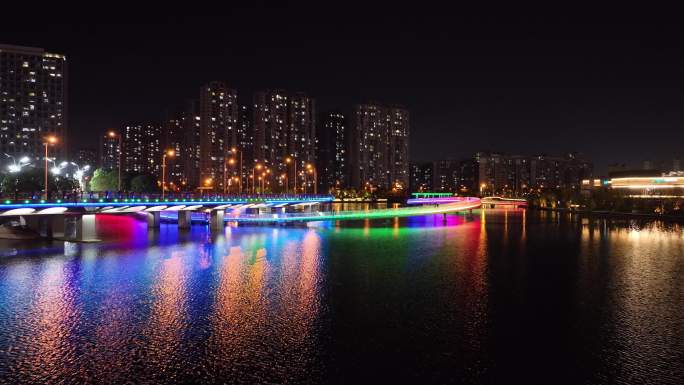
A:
[613,214]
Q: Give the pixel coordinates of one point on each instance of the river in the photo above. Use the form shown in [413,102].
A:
[499,296]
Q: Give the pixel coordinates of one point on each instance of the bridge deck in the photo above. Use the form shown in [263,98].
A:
[464,205]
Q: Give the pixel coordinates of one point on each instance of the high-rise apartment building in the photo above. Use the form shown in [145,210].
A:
[421,177]
[142,150]
[284,126]
[497,173]
[380,149]
[110,147]
[87,157]
[33,101]
[270,127]
[218,130]
[332,157]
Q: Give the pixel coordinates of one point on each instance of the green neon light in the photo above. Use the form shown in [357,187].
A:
[374,214]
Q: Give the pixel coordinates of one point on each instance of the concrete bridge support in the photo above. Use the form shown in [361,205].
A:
[153,219]
[56,226]
[184,219]
[85,228]
[216,220]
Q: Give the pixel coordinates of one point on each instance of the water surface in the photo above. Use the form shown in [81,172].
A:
[497,296]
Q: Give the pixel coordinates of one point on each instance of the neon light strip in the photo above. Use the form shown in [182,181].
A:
[472,203]
[140,202]
[656,196]
[642,186]
[417,201]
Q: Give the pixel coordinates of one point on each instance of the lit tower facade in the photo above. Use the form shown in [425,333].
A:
[332,159]
[109,150]
[142,149]
[284,126]
[380,147]
[218,130]
[33,100]
[398,159]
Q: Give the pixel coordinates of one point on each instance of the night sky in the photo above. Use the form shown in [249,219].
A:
[610,88]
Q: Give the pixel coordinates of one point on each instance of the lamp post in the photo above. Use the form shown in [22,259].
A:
[254,179]
[113,134]
[16,166]
[312,170]
[289,160]
[284,176]
[169,153]
[235,151]
[231,162]
[48,141]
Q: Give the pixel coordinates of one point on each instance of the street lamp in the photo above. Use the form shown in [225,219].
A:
[113,134]
[16,166]
[256,167]
[312,170]
[289,160]
[48,141]
[231,162]
[235,151]
[169,153]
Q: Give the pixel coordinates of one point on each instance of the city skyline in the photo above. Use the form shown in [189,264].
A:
[539,89]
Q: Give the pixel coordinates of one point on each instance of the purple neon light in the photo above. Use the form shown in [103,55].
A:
[436,201]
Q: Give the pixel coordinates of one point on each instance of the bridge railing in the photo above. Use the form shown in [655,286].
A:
[402,211]
[155,198]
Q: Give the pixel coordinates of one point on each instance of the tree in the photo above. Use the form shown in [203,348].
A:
[104,180]
[28,181]
[143,183]
[66,185]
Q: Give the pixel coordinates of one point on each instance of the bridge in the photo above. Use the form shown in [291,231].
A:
[463,204]
[76,220]
[503,202]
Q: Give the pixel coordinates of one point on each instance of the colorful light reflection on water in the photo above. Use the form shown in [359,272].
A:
[497,296]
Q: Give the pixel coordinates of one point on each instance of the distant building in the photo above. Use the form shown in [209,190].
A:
[109,153]
[421,177]
[142,150]
[446,176]
[218,130]
[174,138]
[87,156]
[33,101]
[380,150]
[284,126]
[246,140]
[332,158]
[191,128]
[498,173]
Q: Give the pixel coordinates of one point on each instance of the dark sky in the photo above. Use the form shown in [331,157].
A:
[609,87]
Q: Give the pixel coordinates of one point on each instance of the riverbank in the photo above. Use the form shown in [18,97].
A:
[614,214]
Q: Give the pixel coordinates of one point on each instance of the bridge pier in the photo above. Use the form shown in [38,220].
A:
[85,228]
[33,223]
[56,226]
[184,217]
[216,220]
[153,219]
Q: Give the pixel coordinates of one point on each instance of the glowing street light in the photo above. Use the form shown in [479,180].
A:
[49,140]
[169,153]
[256,167]
[289,160]
[312,170]
[114,134]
